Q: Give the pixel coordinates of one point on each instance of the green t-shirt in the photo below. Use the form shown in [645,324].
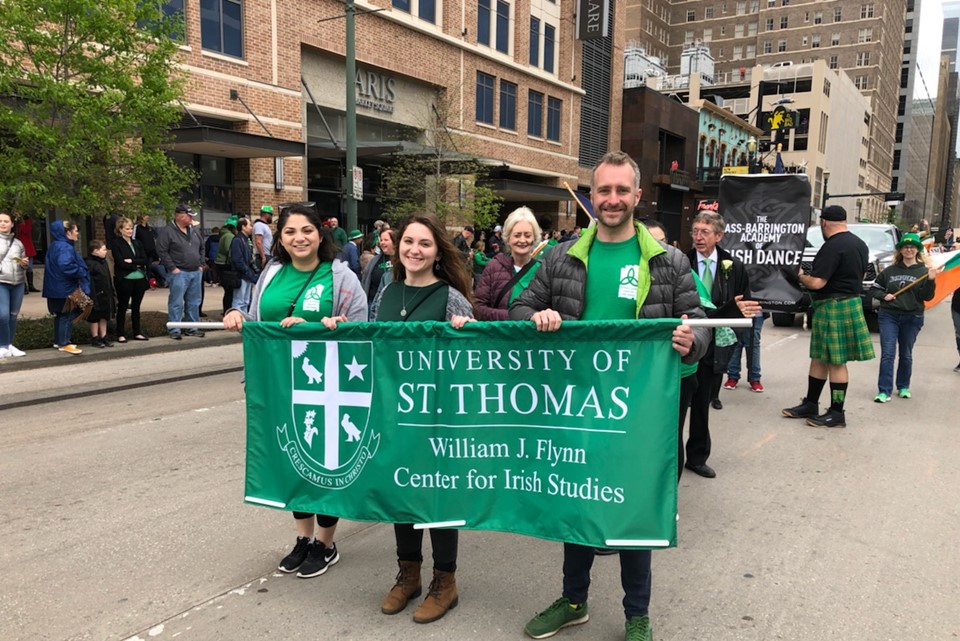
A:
[421,303]
[612,280]
[314,303]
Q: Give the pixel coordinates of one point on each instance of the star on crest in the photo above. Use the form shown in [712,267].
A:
[356,369]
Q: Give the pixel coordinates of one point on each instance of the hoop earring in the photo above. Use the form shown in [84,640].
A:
[436,265]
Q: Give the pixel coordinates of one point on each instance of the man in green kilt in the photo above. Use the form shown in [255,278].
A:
[839,332]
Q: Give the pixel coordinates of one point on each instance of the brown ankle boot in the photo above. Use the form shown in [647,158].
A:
[441,596]
[407,587]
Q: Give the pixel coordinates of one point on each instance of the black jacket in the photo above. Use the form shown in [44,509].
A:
[101,287]
[727,284]
[122,252]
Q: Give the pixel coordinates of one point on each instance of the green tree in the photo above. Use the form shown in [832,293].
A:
[88,94]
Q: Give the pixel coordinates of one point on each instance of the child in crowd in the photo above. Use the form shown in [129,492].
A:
[101,291]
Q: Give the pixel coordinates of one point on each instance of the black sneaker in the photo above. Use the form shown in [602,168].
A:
[806,409]
[957,368]
[196,333]
[96,341]
[319,560]
[176,336]
[296,557]
[831,418]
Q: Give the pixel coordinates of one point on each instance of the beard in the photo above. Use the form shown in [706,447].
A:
[614,219]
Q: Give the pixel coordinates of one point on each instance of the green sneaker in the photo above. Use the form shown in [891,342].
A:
[638,629]
[881,398]
[904,393]
[558,616]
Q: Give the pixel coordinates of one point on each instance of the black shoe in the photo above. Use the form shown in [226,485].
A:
[319,560]
[203,314]
[96,341]
[605,551]
[831,418]
[703,470]
[106,342]
[196,333]
[957,368]
[297,556]
[34,289]
[806,409]
[716,404]
[176,336]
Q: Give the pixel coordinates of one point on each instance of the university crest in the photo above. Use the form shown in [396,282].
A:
[327,440]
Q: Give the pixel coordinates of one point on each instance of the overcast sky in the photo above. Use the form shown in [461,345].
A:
[928,56]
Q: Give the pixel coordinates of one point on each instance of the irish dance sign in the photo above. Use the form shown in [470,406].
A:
[570,436]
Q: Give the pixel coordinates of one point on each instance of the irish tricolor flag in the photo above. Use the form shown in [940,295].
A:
[948,281]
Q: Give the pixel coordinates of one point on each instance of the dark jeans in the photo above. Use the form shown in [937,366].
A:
[896,331]
[956,326]
[129,296]
[634,577]
[444,542]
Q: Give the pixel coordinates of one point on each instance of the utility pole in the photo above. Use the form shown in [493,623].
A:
[351,113]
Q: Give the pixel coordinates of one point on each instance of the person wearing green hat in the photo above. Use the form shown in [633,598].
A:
[263,237]
[229,280]
[350,252]
[901,289]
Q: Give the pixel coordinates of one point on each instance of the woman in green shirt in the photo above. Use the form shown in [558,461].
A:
[303,283]
[430,283]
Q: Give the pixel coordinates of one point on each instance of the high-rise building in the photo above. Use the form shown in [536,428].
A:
[863,38]
[950,41]
[904,131]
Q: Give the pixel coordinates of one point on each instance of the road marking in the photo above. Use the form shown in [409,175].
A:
[785,339]
[756,446]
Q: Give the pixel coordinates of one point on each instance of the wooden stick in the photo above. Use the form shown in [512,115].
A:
[580,204]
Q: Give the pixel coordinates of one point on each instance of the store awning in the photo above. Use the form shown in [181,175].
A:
[214,141]
[522,191]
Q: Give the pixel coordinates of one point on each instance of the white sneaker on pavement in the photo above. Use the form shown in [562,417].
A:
[5,353]
[15,352]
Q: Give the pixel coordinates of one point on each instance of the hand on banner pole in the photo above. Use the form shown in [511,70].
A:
[290,321]
[233,321]
[330,322]
[683,338]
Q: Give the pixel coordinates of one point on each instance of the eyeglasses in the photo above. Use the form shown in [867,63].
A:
[701,233]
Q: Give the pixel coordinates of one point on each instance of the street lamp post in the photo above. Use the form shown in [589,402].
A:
[826,194]
[751,154]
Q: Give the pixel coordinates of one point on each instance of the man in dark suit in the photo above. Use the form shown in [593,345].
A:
[725,278]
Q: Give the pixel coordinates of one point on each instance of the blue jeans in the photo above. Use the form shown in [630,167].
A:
[753,356]
[62,322]
[11,297]
[183,302]
[241,296]
[635,577]
[896,330]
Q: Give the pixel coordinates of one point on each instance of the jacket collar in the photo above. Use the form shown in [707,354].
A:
[649,246]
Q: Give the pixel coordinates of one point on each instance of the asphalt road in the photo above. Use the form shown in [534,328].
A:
[122,517]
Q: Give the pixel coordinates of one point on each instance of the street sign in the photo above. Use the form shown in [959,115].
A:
[358,183]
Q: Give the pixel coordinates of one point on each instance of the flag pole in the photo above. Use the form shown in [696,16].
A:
[580,204]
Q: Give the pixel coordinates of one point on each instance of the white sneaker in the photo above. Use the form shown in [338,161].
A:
[5,353]
[15,352]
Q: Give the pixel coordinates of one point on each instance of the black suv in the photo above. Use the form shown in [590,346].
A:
[881,240]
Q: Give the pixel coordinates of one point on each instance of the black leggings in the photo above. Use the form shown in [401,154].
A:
[322,519]
[410,546]
[129,296]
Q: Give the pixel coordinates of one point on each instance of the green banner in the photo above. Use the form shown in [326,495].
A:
[569,435]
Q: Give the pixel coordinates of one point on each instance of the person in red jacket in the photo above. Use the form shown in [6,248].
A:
[508,273]
[24,233]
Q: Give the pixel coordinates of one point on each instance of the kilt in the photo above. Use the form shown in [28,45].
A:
[840,332]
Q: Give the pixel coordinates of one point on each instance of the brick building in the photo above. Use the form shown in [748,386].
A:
[499,79]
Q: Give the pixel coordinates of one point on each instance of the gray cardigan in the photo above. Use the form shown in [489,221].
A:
[457,303]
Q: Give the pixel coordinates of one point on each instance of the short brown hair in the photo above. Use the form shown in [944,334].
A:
[618,159]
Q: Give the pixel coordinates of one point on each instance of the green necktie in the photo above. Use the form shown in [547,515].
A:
[707,277]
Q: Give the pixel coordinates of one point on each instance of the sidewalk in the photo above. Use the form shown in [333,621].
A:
[35,306]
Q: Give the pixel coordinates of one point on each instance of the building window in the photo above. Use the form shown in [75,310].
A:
[904,77]
[804,42]
[738,31]
[815,42]
[767,47]
[549,44]
[769,25]
[835,40]
[691,16]
[741,7]
[782,45]
[862,82]
[751,51]
[723,30]
[865,35]
[708,13]
[752,29]
[503,27]
[534,41]
[535,114]
[806,16]
[832,62]
[737,52]
[863,59]
[837,14]
[483,22]
[708,35]
[826,87]
[402,5]
[754,6]
[907,47]
[508,105]
[783,22]
[898,136]
[817,17]
[221,26]
[427,11]
[485,98]
[688,36]
[554,106]
[866,11]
